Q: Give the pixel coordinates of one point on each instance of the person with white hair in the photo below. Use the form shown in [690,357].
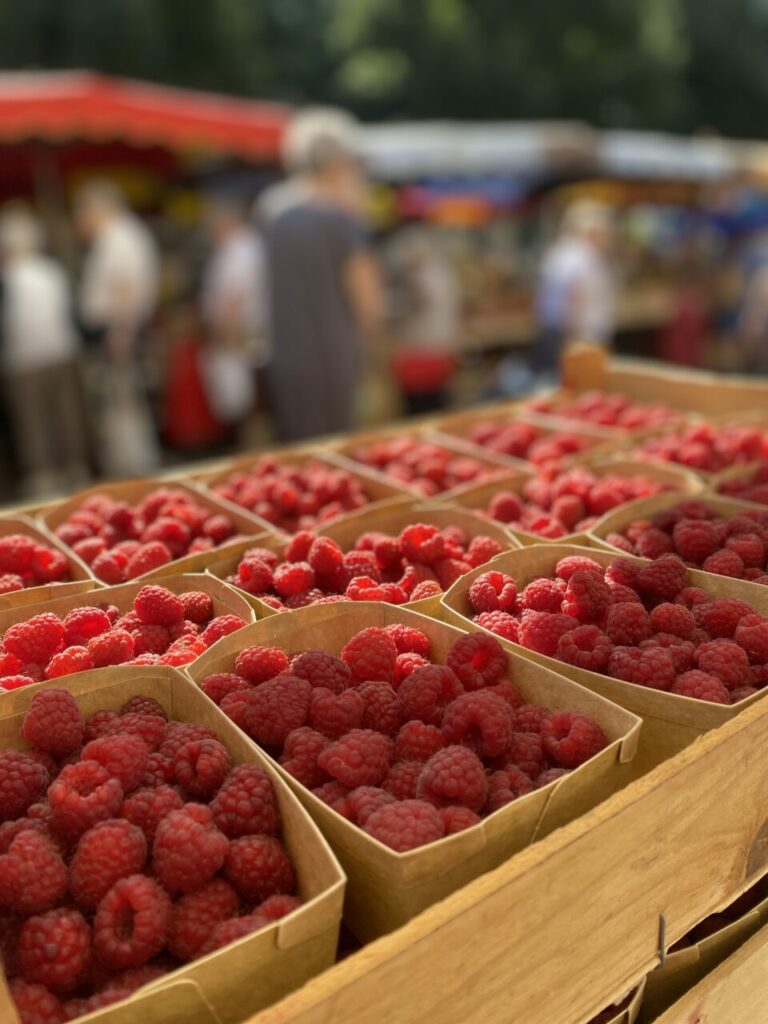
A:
[38,359]
[324,293]
[575,297]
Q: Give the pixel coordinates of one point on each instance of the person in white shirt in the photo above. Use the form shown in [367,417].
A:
[38,357]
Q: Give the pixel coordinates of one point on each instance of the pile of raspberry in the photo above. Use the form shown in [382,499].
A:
[553,504]
[422,465]
[121,542]
[608,409]
[407,749]
[294,497]
[421,561]
[709,448]
[526,441]
[129,846]
[162,628]
[641,623]
[753,486]
[734,546]
[26,562]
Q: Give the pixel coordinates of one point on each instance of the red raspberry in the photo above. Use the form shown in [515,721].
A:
[417,741]
[326,558]
[33,877]
[195,915]
[299,757]
[505,786]
[74,659]
[456,819]
[293,578]
[570,739]
[200,767]
[725,660]
[219,684]
[752,634]
[628,623]
[425,590]
[220,627]
[381,708]
[141,704]
[157,606]
[680,650]
[53,722]
[148,727]
[49,566]
[176,734]
[742,693]
[332,714]
[525,752]
[567,566]
[529,718]
[454,775]
[587,597]
[493,591]
[724,563]
[110,567]
[426,692]
[477,660]
[422,543]
[335,796]
[750,549]
[257,664]
[277,707]
[541,631]
[111,850]
[405,825]
[506,506]
[586,647]
[81,624]
[183,651]
[622,572]
[254,575]
[360,758]
[550,775]
[321,669]
[17,552]
[150,639]
[131,923]
[124,755]
[246,803]
[146,808]
[188,849]
[652,667]
[22,781]
[673,618]
[500,623]
[9,583]
[112,648]
[146,558]
[542,595]
[231,930]
[83,794]
[481,721]
[35,640]
[448,570]
[362,802]
[258,867]
[408,639]
[407,663]
[721,616]
[402,779]
[55,949]
[198,606]
[701,686]
[299,545]
[371,654]
[35,1004]
[481,550]
[664,578]
[696,539]
[653,543]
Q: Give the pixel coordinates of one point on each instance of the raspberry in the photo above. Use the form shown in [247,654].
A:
[481,721]
[111,850]
[673,618]
[426,692]
[254,575]
[724,563]
[83,794]
[628,623]
[293,578]
[542,595]
[74,659]
[477,660]
[112,648]
[360,758]
[332,714]
[33,877]
[124,755]
[148,727]
[276,907]
[742,692]
[53,722]
[750,549]
[335,796]
[55,949]
[662,579]
[141,704]
[35,640]
[405,825]
[481,550]
[220,627]
[567,566]
[492,592]
[197,605]
[541,631]
[525,751]
[680,650]
[35,1004]
[587,597]
[381,708]
[22,781]
[131,923]
[110,567]
[622,572]
[501,623]
[195,915]
[456,819]
[408,639]
[454,775]
[150,639]
[17,551]
[701,686]
[257,664]
[258,867]
[653,667]
[425,589]
[653,543]
[321,669]
[188,849]
[277,707]
[696,539]
[219,684]
[299,757]
[422,543]
[325,557]
[752,634]
[721,616]
[363,801]
[417,741]
[229,931]
[157,606]
[407,663]
[505,786]
[146,558]
[402,779]
[200,767]
[586,647]
[176,734]
[146,808]
[550,775]
[529,718]
[570,739]
[725,660]
[371,654]
[246,804]
[82,624]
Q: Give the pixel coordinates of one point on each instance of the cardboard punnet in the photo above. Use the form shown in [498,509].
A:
[385,889]
[673,478]
[132,491]
[257,970]
[670,722]
[629,1010]
[80,577]
[743,473]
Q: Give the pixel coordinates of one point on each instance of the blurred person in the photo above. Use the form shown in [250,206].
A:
[576,292]
[752,312]
[38,357]
[118,296]
[323,286]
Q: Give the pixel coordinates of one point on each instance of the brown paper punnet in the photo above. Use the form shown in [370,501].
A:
[679,480]
[746,472]
[670,721]
[132,491]
[258,969]
[81,579]
[385,889]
